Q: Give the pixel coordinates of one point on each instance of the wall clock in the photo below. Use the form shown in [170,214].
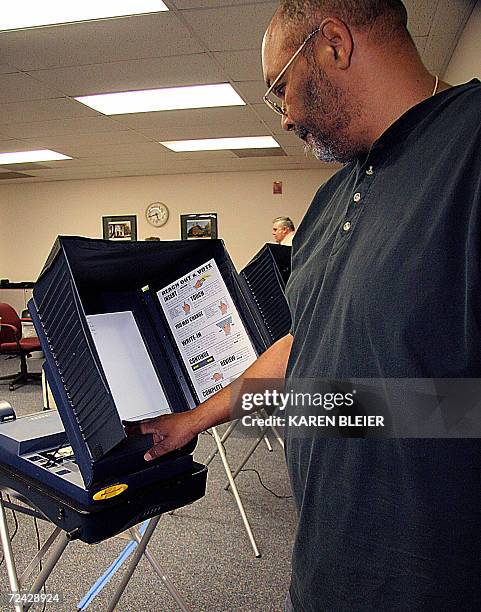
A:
[157,214]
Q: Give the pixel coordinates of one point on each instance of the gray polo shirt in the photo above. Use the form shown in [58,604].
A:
[386,283]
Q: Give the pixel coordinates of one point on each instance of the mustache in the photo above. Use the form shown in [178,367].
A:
[301,132]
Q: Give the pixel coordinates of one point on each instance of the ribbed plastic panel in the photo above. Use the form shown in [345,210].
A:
[86,405]
[267,288]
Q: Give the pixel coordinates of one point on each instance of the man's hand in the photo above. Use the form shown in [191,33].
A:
[170,432]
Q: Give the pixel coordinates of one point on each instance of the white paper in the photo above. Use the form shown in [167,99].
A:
[128,368]
[207,328]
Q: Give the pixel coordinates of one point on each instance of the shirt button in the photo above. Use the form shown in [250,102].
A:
[357,197]
[347,226]
[370,171]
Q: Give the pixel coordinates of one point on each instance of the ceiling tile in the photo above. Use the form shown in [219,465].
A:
[451,16]
[248,164]
[17,86]
[290,142]
[241,65]
[154,35]
[75,141]
[251,91]
[185,118]
[12,146]
[4,69]
[112,151]
[420,42]
[43,110]
[130,75]
[220,43]
[208,131]
[202,155]
[73,163]
[55,174]
[193,4]
[299,154]
[270,119]
[60,127]
[421,15]
[193,157]
[235,27]
[13,175]
[437,52]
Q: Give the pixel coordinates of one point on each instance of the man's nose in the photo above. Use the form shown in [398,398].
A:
[286,122]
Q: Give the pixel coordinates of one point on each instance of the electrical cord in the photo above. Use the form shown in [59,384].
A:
[265,487]
[15,530]
[257,474]
[53,456]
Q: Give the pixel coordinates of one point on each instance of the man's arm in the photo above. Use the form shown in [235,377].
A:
[172,431]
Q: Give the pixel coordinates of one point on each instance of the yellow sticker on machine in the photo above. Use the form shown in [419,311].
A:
[109,492]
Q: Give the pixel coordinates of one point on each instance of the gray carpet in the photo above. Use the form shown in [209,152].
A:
[203,547]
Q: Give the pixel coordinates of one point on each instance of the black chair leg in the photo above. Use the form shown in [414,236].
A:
[9,377]
[17,382]
[23,377]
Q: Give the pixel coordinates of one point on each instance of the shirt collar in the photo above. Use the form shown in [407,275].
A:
[412,117]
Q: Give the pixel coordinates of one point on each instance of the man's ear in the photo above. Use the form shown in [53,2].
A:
[339,42]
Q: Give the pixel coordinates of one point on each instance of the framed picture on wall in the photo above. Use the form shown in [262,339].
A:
[121,227]
[198,226]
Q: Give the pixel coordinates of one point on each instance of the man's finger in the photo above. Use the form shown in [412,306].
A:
[143,427]
[156,451]
[133,428]
[149,427]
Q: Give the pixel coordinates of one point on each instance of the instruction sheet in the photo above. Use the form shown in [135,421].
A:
[207,328]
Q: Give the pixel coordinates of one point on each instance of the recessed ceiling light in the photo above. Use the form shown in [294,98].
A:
[218,144]
[21,157]
[173,98]
[32,13]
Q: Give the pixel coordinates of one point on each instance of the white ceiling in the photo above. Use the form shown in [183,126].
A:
[197,42]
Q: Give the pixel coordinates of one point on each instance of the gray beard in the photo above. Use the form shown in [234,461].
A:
[328,116]
[322,148]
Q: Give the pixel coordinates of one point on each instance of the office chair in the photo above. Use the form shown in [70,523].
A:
[12,343]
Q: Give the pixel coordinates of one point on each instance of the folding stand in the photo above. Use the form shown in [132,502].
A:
[262,435]
[232,475]
[55,545]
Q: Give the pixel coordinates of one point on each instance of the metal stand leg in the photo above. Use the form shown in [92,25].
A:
[8,555]
[263,436]
[278,437]
[225,435]
[40,555]
[169,585]
[249,454]
[139,551]
[53,549]
[50,563]
[266,440]
[235,492]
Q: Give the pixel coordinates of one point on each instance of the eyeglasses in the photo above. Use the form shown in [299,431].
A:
[277,108]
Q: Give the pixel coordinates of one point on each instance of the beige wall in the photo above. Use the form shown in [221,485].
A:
[466,61]
[32,215]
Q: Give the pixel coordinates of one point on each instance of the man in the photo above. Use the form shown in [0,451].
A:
[283,230]
[385,284]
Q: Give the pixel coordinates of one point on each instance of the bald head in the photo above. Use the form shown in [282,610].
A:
[388,18]
[342,71]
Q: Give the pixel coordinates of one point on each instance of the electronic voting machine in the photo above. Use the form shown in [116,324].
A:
[130,330]
[266,276]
